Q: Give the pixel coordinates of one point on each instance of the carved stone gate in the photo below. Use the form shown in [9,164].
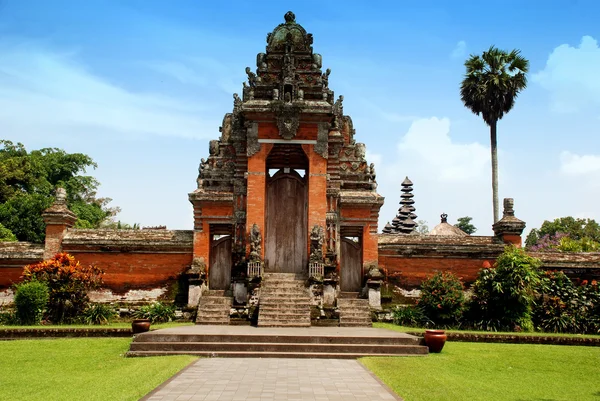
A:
[286,232]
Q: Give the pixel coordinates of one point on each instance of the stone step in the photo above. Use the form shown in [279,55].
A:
[250,354]
[216,307]
[347,295]
[270,304]
[284,323]
[352,302]
[276,347]
[216,300]
[157,336]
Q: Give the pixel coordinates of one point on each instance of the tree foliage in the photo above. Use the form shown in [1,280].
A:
[574,228]
[27,184]
[464,223]
[490,87]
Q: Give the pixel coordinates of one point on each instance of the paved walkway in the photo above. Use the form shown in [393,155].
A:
[272,379]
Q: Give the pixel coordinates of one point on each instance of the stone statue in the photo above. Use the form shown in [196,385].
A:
[373,174]
[325,78]
[252,78]
[226,128]
[237,102]
[360,150]
[275,94]
[317,236]
[261,61]
[255,243]
[317,61]
[338,107]
[287,97]
[213,147]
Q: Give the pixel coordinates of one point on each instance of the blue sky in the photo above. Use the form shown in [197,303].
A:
[142,86]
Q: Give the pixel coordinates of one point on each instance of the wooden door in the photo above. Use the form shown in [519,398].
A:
[286,248]
[350,265]
[219,270]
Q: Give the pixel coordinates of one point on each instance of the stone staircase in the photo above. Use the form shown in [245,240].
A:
[284,301]
[354,312]
[277,342]
[214,308]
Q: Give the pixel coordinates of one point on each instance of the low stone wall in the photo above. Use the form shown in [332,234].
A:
[13,256]
[410,259]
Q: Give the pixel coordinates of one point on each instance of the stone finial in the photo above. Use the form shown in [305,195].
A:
[61,196]
[289,17]
[509,228]
[444,217]
[509,204]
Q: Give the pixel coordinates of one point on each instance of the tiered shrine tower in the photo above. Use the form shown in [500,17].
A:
[286,185]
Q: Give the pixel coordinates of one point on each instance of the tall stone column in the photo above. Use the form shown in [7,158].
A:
[509,228]
[58,219]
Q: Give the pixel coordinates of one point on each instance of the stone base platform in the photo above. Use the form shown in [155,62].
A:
[276,342]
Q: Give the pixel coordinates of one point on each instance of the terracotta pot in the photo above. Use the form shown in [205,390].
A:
[140,325]
[435,340]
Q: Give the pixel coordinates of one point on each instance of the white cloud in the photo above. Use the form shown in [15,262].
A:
[429,140]
[448,176]
[460,50]
[571,76]
[51,92]
[573,164]
[180,72]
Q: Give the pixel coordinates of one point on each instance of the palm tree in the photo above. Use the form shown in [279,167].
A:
[491,85]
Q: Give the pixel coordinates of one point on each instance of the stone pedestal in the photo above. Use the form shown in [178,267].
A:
[374,292]
[58,219]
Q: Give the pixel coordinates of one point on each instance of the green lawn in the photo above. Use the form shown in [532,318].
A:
[406,329]
[482,371]
[80,369]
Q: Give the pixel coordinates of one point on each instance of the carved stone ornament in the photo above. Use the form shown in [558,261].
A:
[288,120]
[252,145]
[255,243]
[321,147]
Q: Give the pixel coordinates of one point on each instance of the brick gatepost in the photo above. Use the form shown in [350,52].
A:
[58,219]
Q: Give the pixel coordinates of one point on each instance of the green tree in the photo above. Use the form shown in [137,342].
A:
[464,223]
[6,235]
[490,87]
[576,229]
[27,184]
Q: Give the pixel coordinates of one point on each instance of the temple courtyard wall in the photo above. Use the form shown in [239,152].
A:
[144,265]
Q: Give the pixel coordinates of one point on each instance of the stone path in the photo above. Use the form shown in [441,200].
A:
[272,379]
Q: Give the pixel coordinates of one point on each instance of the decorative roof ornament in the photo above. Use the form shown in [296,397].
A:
[447,230]
[405,220]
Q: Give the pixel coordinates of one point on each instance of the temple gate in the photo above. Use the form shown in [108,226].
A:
[286,179]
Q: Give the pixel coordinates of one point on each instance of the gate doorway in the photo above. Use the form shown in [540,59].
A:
[351,264]
[219,271]
[286,246]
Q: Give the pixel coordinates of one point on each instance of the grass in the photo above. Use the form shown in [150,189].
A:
[405,329]
[482,371]
[116,325]
[80,369]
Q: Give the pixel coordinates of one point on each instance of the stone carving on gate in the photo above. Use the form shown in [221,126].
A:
[255,243]
[317,236]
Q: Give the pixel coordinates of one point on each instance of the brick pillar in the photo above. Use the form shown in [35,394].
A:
[58,219]
[256,202]
[317,191]
[509,228]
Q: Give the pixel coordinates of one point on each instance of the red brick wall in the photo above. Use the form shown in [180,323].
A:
[409,272]
[125,271]
[255,212]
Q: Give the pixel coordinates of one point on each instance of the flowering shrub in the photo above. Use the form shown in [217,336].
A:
[157,312]
[563,307]
[68,282]
[503,296]
[565,243]
[442,299]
